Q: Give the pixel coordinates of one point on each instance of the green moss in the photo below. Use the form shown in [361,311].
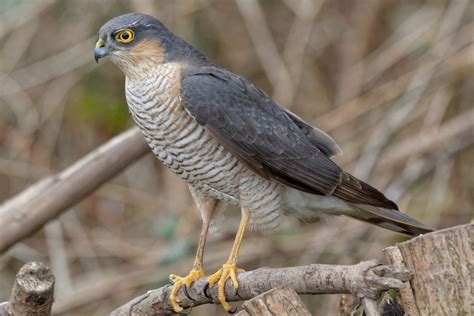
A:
[100,106]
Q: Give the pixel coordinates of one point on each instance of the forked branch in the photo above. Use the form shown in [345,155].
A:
[366,279]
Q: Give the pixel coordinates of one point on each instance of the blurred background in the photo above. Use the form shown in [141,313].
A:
[391,81]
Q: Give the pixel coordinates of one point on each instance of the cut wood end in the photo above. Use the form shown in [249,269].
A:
[278,301]
[33,291]
[35,277]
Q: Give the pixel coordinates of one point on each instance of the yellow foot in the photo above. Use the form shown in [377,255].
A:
[227,271]
[178,282]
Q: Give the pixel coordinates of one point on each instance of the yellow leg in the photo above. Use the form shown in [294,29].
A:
[197,271]
[229,269]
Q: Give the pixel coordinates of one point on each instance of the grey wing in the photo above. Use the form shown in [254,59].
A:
[269,140]
[317,137]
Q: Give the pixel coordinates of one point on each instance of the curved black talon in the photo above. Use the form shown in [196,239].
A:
[185,290]
[206,292]
[232,310]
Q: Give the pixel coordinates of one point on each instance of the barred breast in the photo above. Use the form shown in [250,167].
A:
[177,139]
[192,153]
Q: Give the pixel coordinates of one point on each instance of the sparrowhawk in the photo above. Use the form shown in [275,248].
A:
[230,141]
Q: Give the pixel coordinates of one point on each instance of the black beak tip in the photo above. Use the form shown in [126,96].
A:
[99,52]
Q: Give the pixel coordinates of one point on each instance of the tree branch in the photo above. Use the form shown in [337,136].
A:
[366,279]
[28,211]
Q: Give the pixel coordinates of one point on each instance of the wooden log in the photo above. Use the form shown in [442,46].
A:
[33,292]
[442,267]
[394,256]
[282,301]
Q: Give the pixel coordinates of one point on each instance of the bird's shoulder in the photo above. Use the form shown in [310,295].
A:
[213,82]
[229,103]
[212,78]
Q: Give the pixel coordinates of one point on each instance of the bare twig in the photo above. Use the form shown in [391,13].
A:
[366,279]
[71,58]
[452,129]
[297,42]
[422,166]
[58,258]
[388,91]
[361,26]
[267,51]
[25,213]
[422,78]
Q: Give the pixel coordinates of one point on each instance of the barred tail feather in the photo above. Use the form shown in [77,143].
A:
[389,219]
[310,207]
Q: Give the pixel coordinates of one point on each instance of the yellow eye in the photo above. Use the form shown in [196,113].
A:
[125,36]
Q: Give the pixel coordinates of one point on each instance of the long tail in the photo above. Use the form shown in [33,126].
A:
[389,219]
[310,206]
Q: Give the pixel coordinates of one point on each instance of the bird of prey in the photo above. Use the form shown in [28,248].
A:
[231,142]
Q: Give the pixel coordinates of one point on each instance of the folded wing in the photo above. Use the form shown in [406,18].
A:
[270,140]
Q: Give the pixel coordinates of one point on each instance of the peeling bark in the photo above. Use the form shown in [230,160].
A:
[442,264]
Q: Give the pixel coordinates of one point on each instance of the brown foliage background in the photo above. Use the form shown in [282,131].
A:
[391,81]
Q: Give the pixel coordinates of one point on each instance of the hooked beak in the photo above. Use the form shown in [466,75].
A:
[100,50]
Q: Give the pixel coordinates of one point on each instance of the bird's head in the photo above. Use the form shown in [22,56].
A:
[134,39]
